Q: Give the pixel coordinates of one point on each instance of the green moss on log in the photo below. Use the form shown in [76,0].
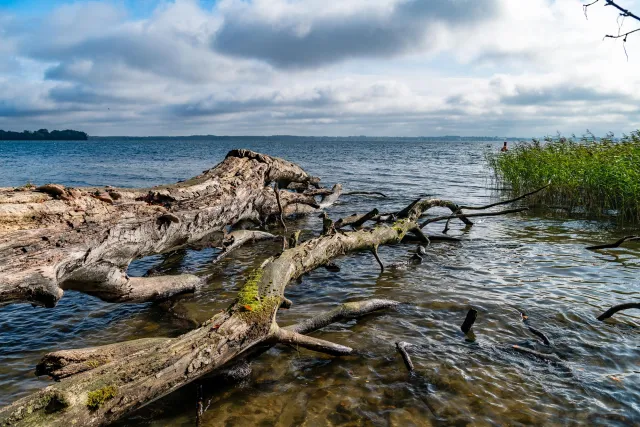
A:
[94,363]
[249,295]
[96,398]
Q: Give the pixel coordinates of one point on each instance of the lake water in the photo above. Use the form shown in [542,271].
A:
[532,262]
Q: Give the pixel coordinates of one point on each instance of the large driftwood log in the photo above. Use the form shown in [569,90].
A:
[54,238]
[119,384]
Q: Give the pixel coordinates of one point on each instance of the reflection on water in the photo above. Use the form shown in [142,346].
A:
[505,265]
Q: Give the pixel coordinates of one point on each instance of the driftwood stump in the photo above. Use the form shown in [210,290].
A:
[54,238]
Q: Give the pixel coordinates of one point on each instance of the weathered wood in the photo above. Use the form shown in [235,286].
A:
[547,357]
[55,238]
[345,311]
[356,220]
[238,238]
[109,391]
[365,193]
[472,315]
[402,346]
[464,217]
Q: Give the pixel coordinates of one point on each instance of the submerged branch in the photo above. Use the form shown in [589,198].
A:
[615,244]
[365,193]
[613,310]
[505,202]
[472,315]
[442,218]
[402,349]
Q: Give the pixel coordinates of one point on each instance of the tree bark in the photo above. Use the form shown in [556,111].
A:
[54,238]
[129,380]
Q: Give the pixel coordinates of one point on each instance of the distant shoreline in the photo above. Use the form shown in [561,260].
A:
[43,135]
[318,138]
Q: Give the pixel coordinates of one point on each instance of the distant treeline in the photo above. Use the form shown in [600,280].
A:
[43,135]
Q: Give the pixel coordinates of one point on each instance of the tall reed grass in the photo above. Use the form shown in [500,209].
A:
[600,177]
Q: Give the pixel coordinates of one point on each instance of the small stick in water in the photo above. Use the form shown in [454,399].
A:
[535,331]
[374,250]
[402,349]
[542,356]
[540,335]
[469,321]
[615,244]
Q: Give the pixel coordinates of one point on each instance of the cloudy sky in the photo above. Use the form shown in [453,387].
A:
[317,67]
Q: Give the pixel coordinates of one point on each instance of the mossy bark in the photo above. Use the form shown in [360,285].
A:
[157,370]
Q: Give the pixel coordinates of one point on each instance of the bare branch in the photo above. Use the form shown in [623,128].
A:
[402,349]
[276,190]
[535,331]
[346,311]
[615,244]
[356,220]
[542,356]
[374,250]
[472,315]
[365,193]
[504,202]
[284,336]
[442,218]
[613,310]
[236,239]
[623,13]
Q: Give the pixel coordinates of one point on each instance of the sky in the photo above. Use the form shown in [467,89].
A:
[316,67]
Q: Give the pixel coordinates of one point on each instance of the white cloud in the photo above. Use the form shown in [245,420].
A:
[389,67]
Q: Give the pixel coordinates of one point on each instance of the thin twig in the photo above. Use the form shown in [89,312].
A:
[472,315]
[442,218]
[365,193]
[446,227]
[505,202]
[613,310]
[534,331]
[374,250]
[402,349]
[615,244]
[281,211]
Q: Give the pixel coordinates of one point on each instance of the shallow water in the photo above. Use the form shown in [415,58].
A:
[529,262]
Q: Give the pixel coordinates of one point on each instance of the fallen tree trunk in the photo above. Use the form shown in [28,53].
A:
[54,238]
[120,384]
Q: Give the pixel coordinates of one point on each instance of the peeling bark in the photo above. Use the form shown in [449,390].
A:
[55,238]
[125,383]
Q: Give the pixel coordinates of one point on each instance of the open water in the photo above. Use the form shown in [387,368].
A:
[532,262]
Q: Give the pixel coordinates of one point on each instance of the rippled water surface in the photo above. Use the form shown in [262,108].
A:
[530,262]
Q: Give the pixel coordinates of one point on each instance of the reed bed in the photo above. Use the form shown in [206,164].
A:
[598,177]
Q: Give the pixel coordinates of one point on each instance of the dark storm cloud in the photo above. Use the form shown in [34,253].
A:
[333,39]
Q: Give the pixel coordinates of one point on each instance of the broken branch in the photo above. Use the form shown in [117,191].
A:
[284,336]
[365,193]
[472,315]
[442,218]
[374,251]
[615,244]
[613,310]
[505,202]
[402,349]
[345,311]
